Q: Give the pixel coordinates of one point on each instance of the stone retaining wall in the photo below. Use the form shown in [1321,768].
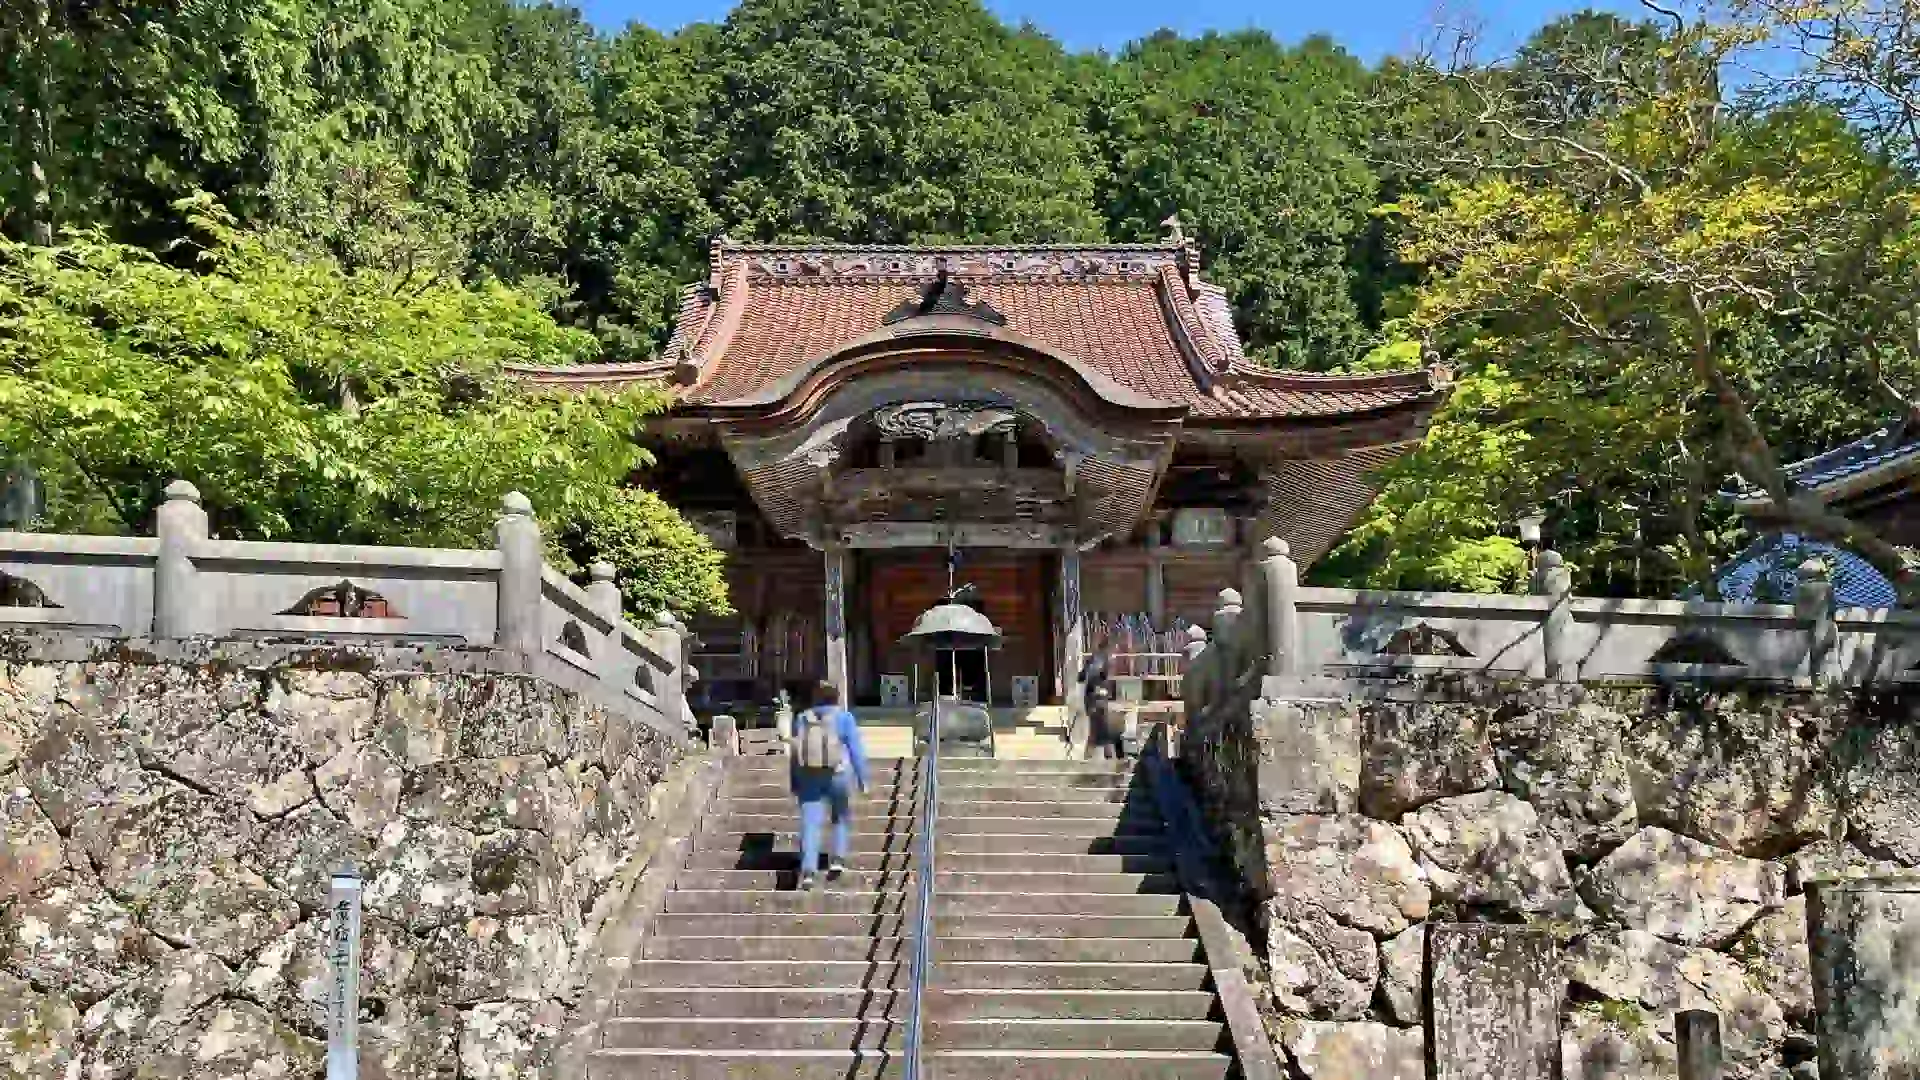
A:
[1665,836]
[172,815]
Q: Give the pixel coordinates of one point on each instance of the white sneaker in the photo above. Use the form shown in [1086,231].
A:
[807,882]
[835,869]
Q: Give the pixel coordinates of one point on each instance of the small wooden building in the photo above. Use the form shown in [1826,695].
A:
[1077,428]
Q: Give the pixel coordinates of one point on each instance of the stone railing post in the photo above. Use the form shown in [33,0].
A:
[604,592]
[1813,604]
[1697,1037]
[669,640]
[179,606]
[724,738]
[1228,637]
[1195,686]
[1554,580]
[1495,992]
[1863,936]
[517,536]
[1280,576]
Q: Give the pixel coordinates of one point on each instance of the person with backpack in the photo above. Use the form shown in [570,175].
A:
[1105,738]
[827,763]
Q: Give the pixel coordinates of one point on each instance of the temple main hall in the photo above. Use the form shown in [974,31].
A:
[1074,431]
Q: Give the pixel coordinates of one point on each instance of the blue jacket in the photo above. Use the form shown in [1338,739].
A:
[856,758]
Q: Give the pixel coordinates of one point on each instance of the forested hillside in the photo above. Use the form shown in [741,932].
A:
[1646,276]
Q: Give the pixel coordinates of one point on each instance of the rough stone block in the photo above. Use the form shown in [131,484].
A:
[1864,936]
[1310,755]
[1495,993]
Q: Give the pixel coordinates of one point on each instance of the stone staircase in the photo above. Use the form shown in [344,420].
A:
[1064,949]
[1035,734]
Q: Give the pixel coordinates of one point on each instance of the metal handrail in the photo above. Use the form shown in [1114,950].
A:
[923,917]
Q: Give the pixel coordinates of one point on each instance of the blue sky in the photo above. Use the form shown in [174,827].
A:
[1368,28]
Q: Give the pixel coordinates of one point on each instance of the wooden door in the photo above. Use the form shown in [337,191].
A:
[1013,595]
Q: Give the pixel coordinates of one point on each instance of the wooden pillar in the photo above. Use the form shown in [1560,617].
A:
[1073,644]
[1156,578]
[835,554]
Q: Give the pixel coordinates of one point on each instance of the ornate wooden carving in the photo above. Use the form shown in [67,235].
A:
[1694,647]
[945,297]
[575,638]
[343,600]
[19,592]
[1422,639]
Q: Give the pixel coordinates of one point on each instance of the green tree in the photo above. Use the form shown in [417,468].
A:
[1254,145]
[309,401]
[890,121]
[1655,274]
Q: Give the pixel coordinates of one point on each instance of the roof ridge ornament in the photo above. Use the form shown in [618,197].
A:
[945,296]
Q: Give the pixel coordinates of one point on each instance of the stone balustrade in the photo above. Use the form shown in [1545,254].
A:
[1277,629]
[182,585]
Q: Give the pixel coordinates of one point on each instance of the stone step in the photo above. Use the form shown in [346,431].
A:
[752,880]
[754,788]
[870,1033]
[957,840]
[784,902]
[1035,768]
[952,840]
[958,824]
[797,924]
[1017,1004]
[1060,904]
[830,1003]
[948,924]
[898,859]
[1074,975]
[776,974]
[1136,807]
[1042,793]
[953,779]
[776,949]
[1030,881]
[1067,950]
[879,1065]
[946,948]
[785,805]
[830,901]
[775,765]
[868,924]
[955,861]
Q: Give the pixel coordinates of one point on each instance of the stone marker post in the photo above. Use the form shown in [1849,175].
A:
[517,535]
[1863,935]
[1697,1036]
[1280,576]
[179,609]
[1553,580]
[1496,994]
[343,960]
[1813,605]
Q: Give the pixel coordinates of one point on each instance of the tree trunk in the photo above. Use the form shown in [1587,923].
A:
[39,126]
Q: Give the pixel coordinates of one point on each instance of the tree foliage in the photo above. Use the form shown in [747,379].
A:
[309,401]
[1646,279]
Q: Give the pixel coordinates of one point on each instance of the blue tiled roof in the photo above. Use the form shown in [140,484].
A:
[1882,447]
[1768,569]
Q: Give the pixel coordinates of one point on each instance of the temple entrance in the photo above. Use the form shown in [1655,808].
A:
[1012,592]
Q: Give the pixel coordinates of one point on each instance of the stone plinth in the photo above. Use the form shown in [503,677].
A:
[1496,1002]
[1864,936]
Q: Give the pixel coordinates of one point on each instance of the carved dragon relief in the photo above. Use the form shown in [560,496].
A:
[939,421]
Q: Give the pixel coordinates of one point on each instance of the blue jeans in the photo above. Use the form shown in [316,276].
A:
[818,799]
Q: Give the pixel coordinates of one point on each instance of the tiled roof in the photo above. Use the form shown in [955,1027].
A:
[1138,314]
[1767,571]
[1860,462]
